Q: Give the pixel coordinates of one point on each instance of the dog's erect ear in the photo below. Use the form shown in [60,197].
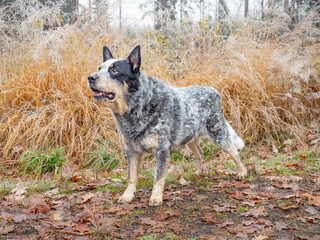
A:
[135,59]
[106,54]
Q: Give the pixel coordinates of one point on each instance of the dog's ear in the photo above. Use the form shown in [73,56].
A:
[106,54]
[135,59]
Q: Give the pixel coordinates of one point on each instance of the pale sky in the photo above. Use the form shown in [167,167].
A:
[133,15]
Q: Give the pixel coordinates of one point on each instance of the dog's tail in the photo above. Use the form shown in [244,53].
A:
[235,139]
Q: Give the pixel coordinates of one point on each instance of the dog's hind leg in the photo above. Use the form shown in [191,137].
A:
[197,154]
[225,137]
[134,158]
[160,177]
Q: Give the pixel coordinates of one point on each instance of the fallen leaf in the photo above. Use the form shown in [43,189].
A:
[57,217]
[6,216]
[6,230]
[19,190]
[208,218]
[138,231]
[311,210]
[146,221]
[313,200]
[260,237]
[80,229]
[87,197]
[183,182]
[280,225]
[164,215]
[199,198]
[19,218]
[42,208]
[176,228]
[255,212]
[52,192]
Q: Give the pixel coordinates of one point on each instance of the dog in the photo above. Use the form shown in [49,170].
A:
[155,117]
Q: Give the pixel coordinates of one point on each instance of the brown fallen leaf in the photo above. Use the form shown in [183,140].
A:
[138,231]
[208,218]
[19,218]
[80,229]
[176,228]
[280,225]
[87,197]
[146,221]
[255,212]
[42,208]
[199,198]
[57,217]
[6,216]
[260,237]
[6,230]
[313,200]
[183,182]
[52,192]
[160,216]
[288,204]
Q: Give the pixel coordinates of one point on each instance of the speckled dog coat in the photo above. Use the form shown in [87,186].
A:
[154,117]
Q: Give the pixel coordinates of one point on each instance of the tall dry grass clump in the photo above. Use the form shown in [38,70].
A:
[267,73]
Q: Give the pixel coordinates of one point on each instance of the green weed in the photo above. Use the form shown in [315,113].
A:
[169,235]
[242,209]
[102,157]
[150,237]
[39,162]
[39,186]
[6,188]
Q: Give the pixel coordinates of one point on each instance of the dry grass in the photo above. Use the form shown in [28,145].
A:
[266,74]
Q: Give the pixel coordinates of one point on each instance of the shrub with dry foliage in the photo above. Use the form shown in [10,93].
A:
[265,71]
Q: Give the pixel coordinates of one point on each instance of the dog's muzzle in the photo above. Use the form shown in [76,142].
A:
[97,94]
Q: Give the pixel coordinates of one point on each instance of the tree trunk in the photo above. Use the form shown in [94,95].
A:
[246,8]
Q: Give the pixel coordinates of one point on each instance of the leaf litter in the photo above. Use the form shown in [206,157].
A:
[269,207]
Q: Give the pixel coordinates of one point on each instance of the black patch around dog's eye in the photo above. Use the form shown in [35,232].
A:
[114,71]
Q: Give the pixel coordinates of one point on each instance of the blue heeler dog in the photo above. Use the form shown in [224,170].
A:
[154,117]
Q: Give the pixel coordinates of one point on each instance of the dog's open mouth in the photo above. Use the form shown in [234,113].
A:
[101,95]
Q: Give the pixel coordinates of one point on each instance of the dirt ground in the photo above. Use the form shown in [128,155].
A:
[210,207]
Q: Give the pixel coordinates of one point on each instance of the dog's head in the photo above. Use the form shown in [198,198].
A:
[116,77]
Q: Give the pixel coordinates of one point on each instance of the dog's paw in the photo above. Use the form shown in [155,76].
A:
[242,174]
[126,198]
[155,201]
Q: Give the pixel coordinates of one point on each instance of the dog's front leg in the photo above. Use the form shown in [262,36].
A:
[134,158]
[160,177]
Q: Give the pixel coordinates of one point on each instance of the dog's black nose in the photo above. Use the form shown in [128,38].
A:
[92,78]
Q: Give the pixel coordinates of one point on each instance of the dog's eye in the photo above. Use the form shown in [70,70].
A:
[113,70]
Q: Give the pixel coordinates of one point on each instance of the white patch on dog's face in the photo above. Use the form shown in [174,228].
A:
[105,66]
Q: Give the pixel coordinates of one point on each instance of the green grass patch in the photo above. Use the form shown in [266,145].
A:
[102,157]
[242,209]
[39,186]
[150,237]
[169,235]
[39,162]
[209,150]
[6,187]
[176,156]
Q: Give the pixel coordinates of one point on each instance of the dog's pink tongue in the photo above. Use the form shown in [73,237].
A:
[110,95]
[97,93]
